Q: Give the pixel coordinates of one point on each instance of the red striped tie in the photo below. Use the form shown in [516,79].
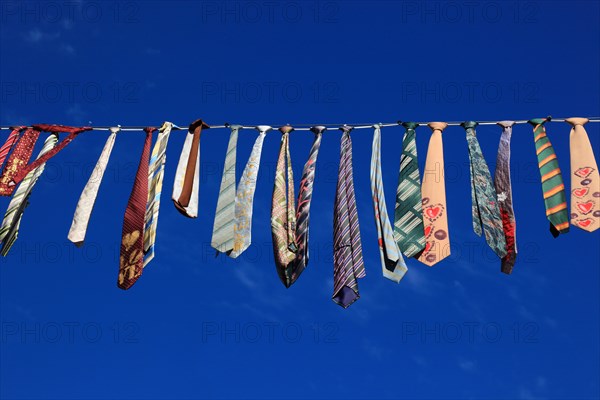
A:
[132,243]
[10,142]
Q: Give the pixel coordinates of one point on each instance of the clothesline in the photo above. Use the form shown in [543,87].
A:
[307,127]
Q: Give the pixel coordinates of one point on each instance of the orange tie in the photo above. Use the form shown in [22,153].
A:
[585,183]
[433,191]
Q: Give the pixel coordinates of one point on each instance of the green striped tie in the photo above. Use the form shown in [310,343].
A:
[553,187]
[222,236]
[409,232]
[9,230]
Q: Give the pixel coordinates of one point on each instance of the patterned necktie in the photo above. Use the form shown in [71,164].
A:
[156,171]
[504,194]
[283,208]
[223,227]
[348,265]
[72,131]
[585,182]
[17,160]
[132,243]
[392,263]
[553,187]
[484,203]
[10,142]
[435,213]
[9,230]
[85,205]
[409,232]
[304,199]
[245,196]
[187,176]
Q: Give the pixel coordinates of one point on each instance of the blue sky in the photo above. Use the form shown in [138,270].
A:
[196,326]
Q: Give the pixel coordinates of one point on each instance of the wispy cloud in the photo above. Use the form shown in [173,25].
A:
[67,48]
[467,365]
[37,36]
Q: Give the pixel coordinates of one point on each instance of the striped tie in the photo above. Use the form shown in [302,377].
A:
[17,160]
[504,194]
[409,232]
[283,217]
[131,262]
[245,197]
[10,142]
[84,208]
[156,171]
[348,265]
[585,181]
[223,227]
[73,132]
[484,203]
[9,230]
[304,199]
[187,176]
[392,263]
[553,187]
[435,213]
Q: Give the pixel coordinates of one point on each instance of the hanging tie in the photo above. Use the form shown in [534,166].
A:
[187,176]
[156,171]
[553,187]
[223,227]
[435,213]
[72,131]
[585,182]
[17,160]
[245,196]
[484,203]
[392,263]
[504,195]
[132,243]
[409,232]
[9,230]
[85,205]
[303,210]
[10,142]
[348,265]
[283,208]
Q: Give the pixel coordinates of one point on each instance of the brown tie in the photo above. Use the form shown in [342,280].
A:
[585,182]
[190,170]
[17,160]
[435,213]
[132,244]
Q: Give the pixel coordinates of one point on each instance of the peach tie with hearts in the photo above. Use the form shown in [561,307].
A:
[585,183]
[433,191]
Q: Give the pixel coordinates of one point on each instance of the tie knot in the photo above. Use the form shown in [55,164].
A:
[538,121]
[263,128]
[469,124]
[346,128]
[286,129]
[437,126]
[149,129]
[114,129]
[318,129]
[410,125]
[574,121]
[505,124]
[197,124]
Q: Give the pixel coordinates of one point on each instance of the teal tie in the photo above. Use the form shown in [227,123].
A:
[409,232]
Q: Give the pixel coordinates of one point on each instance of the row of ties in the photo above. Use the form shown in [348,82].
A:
[420,218]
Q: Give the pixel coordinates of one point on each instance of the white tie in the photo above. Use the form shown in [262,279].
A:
[83,211]
[192,208]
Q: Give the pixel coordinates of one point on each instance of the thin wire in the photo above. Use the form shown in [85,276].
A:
[307,127]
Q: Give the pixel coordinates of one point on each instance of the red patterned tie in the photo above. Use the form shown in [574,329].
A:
[132,243]
[73,132]
[10,142]
[17,160]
